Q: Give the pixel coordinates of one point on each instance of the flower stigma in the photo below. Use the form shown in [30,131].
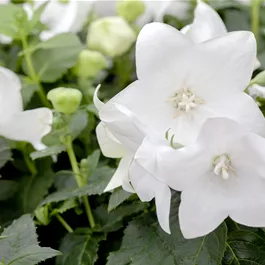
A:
[185,101]
[222,165]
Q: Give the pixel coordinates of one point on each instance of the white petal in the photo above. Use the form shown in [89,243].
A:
[223,65]
[124,125]
[158,45]
[162,200]
[10,97]
[121,175]
[5,39]
[242,108]
[206,25]
[109,145]
[29,126]
[97,102]
[202,209]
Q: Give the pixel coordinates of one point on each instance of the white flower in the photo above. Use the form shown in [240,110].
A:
[181,83]
[221,174]
[207,24]
[16,124]
[61,17]
[155,10]
[256,91]
[120,133]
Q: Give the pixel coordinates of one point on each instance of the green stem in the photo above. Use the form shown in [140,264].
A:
[30,164]
[32,72]
[78,178]
[255,17]
[64,223]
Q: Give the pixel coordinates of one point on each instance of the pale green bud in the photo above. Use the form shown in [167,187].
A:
[90,63]
[112,36]
[130,9]
[42,215]
[65,100]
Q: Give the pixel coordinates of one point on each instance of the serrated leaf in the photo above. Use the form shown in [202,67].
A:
[144,242]
[32,255]
[55,56]
[244,248]
[77,123]
[79,249]
[7,189]
[96,185]
[5,153]
[65,206]
[65,179]
[91,163]
[34,188]
[117,197]
[49,151]
[20,234]
[114,220]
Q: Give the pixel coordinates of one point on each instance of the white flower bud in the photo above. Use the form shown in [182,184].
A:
[112,36]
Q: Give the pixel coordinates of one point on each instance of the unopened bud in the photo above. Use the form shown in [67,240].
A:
[90,63]
[130,9]
[42,215]
[65,100]
[112,36]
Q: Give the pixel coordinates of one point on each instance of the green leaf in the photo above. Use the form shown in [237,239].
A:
[9,19]
[5,153]
[259,79]
[118,197]
[65,179]
[79,249]
[65,206]
[55,56]
[49,151]
[144,242]
[78,123]
[34,188]
[96,185]
[32,255]
[20,234]
[114,220]
[244,248]
[7,189]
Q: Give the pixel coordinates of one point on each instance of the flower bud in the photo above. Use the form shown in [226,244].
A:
[112,36]
[65,100]
[89,64]
[130,9]
[42,215]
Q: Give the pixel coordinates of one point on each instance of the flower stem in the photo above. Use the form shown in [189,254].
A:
[78,178]
[30,164]
[255,17]
[32,72]
[64,223]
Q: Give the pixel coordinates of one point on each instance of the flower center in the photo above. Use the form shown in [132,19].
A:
[185,101]
[222,166]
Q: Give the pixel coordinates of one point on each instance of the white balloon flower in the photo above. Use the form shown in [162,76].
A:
[181,83]
[221,174]
[61,17]
[207,24]
[16,124]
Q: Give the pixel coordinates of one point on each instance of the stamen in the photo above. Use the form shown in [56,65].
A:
[222,165]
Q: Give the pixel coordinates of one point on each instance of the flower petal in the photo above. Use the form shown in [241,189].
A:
[29,126]
[124,125]
[202,209]
[162,200]
[206,25]
[121,175]
[109,145]
[97,102]
[222,65]
[158,45]
[10,96]
[243,109]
